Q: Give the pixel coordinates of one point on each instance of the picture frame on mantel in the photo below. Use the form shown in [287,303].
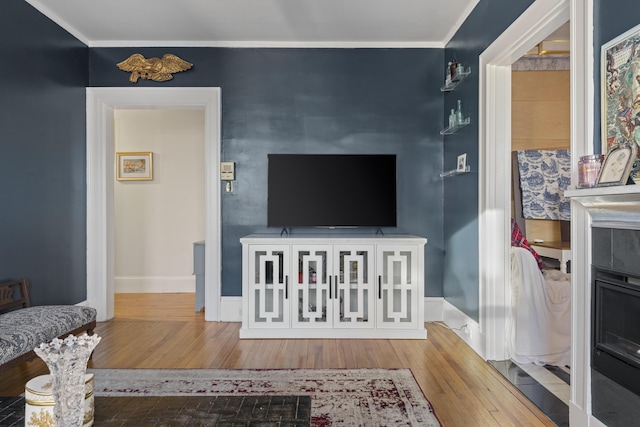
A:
[617,165]
[134,166]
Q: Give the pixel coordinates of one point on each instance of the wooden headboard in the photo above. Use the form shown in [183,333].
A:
[14,294]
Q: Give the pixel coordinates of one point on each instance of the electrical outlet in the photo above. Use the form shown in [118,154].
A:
[465,330]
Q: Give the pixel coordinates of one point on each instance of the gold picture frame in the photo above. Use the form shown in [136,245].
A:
[617,165]
[134,166]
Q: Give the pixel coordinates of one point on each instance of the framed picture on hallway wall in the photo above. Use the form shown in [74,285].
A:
[134,166]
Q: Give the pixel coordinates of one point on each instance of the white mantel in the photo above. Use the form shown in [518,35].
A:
[612,207]
[607,207]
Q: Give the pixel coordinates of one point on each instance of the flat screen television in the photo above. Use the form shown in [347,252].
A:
[331,190]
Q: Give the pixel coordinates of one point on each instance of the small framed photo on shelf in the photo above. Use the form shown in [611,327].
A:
[617,165]
[134,166]
[462,163]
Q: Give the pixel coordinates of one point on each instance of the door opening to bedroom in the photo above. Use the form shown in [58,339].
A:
[540,289]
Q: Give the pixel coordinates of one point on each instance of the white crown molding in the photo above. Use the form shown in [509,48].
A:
[463,17]
[250,43]
[58,20]
[268,44]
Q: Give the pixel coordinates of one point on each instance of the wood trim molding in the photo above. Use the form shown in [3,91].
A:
[582,143]
[101,103]
[539,20]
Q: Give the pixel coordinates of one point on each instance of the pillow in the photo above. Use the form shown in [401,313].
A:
[518,239]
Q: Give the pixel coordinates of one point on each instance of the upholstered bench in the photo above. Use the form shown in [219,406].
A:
[26,328]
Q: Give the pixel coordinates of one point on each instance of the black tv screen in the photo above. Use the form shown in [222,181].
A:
[331,190]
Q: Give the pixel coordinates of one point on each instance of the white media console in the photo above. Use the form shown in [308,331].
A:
[313,286]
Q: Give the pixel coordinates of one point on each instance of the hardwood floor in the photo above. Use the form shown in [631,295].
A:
[164,331]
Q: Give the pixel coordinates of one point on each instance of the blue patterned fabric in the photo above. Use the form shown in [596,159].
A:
[544,176]
[23,330]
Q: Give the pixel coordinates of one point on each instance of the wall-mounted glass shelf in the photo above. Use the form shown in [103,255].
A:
[455,128]
[459,78]
[455,172]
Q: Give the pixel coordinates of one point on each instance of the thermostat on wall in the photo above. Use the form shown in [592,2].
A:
[227,171]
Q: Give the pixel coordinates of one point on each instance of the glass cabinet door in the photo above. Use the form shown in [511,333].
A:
[396,294]
[354,286]
[312,286]
[269,286]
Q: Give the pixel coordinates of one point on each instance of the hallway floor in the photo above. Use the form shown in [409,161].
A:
[548,387]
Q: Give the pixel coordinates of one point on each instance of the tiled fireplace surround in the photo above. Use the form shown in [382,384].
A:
[614,231]
[616,255]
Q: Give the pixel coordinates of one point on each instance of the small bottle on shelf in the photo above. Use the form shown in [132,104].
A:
[453,68]
[452,119]
[459,116]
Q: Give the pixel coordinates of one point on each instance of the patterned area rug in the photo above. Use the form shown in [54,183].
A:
[340,397]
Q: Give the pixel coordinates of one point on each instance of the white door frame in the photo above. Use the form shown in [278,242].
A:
[100,158]
[538,21]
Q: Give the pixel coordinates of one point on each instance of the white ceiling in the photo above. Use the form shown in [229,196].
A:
[259,23]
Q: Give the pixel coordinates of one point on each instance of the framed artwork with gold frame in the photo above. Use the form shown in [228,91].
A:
[134,166]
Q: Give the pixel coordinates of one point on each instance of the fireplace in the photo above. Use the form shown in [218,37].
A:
[610,216]
[616,327]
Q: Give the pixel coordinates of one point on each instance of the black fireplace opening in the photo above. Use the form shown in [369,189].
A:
[616,327]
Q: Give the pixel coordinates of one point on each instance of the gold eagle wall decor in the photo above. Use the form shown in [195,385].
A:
[158,70]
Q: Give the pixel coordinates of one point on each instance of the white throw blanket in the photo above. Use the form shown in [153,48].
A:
[539,328]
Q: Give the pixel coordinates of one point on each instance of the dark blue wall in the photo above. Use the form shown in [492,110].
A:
[273,100]
[488,20]
[316,101]
[42,157]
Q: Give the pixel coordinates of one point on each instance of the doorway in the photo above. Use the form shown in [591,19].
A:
[159,217]
[101,103]
[495,183]
[494,136]
[495,156]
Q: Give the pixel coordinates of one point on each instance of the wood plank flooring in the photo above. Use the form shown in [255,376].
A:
[164,331]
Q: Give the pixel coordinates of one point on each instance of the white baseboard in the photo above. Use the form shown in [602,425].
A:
[579,417]
[433,309]
[154,284]
[231,309]
[465,327]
